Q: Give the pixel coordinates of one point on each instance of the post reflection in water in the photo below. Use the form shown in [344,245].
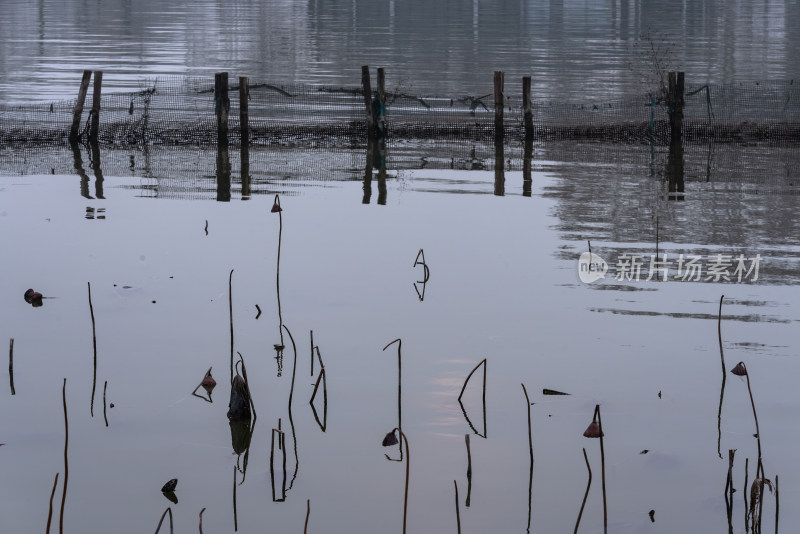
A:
[675,172]
[77,162]
[375,159]
[223,173]
[527,180]
[245,153]
[499,169]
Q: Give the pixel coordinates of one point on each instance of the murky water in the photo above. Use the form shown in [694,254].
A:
[504,286]
[572,50]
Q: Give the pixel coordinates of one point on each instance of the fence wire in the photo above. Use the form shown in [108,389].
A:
[181,111]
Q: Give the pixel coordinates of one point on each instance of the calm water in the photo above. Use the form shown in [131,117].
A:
[503,286]
[146,228]
[573,50]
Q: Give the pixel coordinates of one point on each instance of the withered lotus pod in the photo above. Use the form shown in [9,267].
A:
[208,382]
[390,439]
[170,486]
[276,206]
[29,295]
[593,431]
[740,369]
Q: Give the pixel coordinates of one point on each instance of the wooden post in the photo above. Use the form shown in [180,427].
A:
[675,163]
[94,125]
[526,107]
[77,111]
[222,106]
[382,85]
[498,106]
[676,94]
[365,84]
[244,96]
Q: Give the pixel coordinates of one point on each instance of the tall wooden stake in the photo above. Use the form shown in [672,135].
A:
[367,89]
[527,108]
[77,111]
[94,125]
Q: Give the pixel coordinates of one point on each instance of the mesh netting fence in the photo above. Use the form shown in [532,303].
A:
[181,111]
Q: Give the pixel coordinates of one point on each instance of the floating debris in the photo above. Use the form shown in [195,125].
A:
[652,514]
[546,391]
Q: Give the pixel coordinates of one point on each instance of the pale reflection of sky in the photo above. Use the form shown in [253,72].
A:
[503,286]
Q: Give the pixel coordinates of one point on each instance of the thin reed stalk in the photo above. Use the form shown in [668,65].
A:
[586,494]
[230,311]
[105,387]
[722,388]
[94,348]
[11,365]
[530,451]
[458,513]
[66,463]
[50,510]
[160,521]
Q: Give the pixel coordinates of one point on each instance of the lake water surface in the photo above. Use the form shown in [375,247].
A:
[573,50]
[189,269]
[503,287]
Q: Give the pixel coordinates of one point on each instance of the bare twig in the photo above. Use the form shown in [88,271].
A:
[458,513]
[105,416]
[585,495]
[167,511]
[94,347]
[11,365]
[50,511]
[530,450]
[66,464]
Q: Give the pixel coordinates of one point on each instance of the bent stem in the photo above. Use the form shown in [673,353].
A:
[585,495]
[408,463]
[399,386]
[530,450]
[722,388]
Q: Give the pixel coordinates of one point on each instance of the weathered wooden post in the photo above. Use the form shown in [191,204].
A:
[222,106]
[77,111]
[365,85]
[94,125]
[244,117]
[244,96]
[675,164]
[379,106]
[676,92]
[527,109]
[498,107]
[499,134]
